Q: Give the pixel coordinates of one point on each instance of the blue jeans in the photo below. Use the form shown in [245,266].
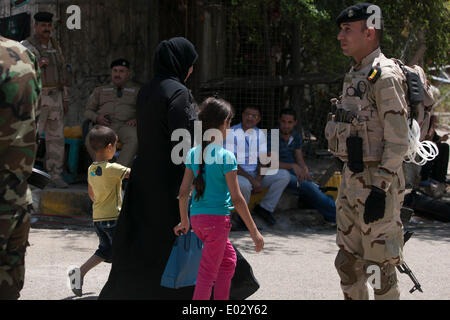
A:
[310,193]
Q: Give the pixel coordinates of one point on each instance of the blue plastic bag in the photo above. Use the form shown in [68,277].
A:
[184,261]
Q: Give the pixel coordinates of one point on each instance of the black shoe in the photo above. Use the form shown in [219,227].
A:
[266,215]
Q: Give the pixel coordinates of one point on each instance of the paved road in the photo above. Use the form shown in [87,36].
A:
[293,265]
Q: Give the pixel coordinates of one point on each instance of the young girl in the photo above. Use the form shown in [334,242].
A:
[216,190]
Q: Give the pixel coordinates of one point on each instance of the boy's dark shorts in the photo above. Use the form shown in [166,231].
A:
[105,231]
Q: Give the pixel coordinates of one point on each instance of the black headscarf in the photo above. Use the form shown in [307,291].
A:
[174,57]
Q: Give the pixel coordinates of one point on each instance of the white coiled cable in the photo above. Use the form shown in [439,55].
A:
[422,151]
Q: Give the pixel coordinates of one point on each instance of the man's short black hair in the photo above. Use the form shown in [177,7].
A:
[253,107]
[289,111]
[100,137]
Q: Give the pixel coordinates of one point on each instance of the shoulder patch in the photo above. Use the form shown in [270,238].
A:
[374,74]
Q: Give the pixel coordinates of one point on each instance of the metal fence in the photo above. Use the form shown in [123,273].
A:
[250,59]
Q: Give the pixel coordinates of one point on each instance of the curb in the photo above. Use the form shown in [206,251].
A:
[64,202]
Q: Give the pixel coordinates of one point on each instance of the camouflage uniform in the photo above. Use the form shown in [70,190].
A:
[20,89]
[121,108]
[380,118]
[55,80]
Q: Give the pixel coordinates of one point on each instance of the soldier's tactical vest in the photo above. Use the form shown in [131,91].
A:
[56,74]
[357,114]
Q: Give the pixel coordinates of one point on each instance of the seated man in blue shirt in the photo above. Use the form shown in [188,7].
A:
[249,143]
[291,158]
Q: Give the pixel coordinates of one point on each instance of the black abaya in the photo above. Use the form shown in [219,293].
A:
[144,235]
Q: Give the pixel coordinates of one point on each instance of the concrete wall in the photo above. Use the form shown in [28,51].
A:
[131,29]
[110,29]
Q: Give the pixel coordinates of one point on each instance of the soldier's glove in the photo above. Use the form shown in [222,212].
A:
[375,205]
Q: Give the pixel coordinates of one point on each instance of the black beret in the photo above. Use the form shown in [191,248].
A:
[120,62]
[43,16]
[356,12]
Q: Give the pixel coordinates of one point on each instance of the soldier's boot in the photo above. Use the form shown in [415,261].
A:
[58,182]
[389,289]
[353,277]
[55,170]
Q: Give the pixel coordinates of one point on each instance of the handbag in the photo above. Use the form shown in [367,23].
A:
[243,283]
[184,261]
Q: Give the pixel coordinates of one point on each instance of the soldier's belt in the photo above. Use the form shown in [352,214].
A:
[342,115]
[368,163]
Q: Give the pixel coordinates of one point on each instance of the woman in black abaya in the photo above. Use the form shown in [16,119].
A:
[144,235]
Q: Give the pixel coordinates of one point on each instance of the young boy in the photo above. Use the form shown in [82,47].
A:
[105,191]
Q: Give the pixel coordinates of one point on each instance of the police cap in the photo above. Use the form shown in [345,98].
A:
[120,62]
[43,16]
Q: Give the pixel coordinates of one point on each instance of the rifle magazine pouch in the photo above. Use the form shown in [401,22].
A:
[355,154]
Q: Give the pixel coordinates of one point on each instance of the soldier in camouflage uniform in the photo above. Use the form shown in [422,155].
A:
[19,94]
[55,76]
[369,132]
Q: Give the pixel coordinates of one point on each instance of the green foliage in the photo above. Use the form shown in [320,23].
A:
[403,21]
[314,20]
[445,104]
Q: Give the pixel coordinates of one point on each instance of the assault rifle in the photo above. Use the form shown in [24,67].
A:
[403,268]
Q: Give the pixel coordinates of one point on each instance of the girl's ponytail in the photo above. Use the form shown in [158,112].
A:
[199,182]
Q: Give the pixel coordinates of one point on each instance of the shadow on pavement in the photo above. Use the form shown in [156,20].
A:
[438,231]
[82,298]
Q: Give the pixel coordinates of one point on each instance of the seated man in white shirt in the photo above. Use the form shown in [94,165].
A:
[249,143]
